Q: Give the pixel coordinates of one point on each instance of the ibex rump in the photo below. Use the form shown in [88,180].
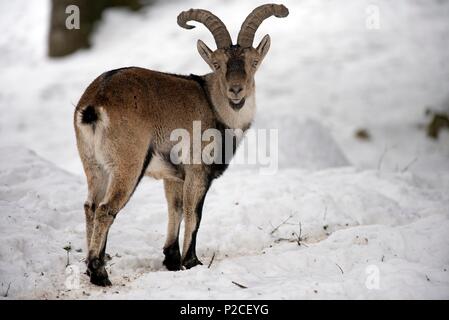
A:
[123,123]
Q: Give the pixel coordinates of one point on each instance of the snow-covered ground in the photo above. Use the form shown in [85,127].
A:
[371,216]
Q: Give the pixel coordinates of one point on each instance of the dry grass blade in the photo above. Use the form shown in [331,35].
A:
[239,285]
[211,261]
[339,268]
[283,222]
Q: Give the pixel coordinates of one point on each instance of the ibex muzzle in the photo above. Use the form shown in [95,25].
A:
[123,123]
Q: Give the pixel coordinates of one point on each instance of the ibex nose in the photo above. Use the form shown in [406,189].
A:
[236,89]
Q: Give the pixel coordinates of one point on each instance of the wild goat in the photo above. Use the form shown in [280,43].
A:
[123,124]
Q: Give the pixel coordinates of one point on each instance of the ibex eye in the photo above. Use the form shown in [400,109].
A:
[216,66]
[255,62]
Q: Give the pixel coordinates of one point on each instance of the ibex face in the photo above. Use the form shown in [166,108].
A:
[234,65]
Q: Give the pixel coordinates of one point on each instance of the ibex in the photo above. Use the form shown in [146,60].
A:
[123,123]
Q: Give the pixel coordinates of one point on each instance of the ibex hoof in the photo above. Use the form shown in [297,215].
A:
[172,265]
[172,257]
[97,273]
[192,262]
[100,280]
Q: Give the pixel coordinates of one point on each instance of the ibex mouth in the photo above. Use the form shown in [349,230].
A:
[237,104]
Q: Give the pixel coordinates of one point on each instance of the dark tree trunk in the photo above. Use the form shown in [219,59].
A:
[63,41]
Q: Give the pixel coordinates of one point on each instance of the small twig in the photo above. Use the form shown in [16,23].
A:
[282,239]
[409,164]
[239,285]
[299,236]
[211,260]
[325,212]
[339,268]
[283,222]
[7,290]
[289,240]
[68,248]
[381,159]
[296,237]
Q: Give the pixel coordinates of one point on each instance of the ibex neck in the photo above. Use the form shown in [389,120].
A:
[240,119]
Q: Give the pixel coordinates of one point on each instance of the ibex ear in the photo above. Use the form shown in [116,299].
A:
[264,46]
[205,52]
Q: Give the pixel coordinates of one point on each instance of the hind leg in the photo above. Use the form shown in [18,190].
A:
[122,183]
[173,194]
[97,180]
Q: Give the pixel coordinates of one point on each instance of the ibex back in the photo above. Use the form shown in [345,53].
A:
[123,124]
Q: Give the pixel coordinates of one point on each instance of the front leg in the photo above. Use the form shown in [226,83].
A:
[173,194]
[195,188]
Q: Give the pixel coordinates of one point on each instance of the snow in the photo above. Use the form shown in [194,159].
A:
[362,211]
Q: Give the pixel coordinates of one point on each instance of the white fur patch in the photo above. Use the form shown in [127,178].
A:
[93,138]
[238,118]
[159,169]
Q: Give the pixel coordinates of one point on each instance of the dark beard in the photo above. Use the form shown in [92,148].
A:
[237,106]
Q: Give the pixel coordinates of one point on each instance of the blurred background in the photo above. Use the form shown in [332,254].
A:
[357,84]
[362,83]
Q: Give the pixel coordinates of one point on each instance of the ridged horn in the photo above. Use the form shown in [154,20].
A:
[214,24]
[255,18]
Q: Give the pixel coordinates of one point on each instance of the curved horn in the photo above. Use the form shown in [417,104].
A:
[255,18]
[215,25]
